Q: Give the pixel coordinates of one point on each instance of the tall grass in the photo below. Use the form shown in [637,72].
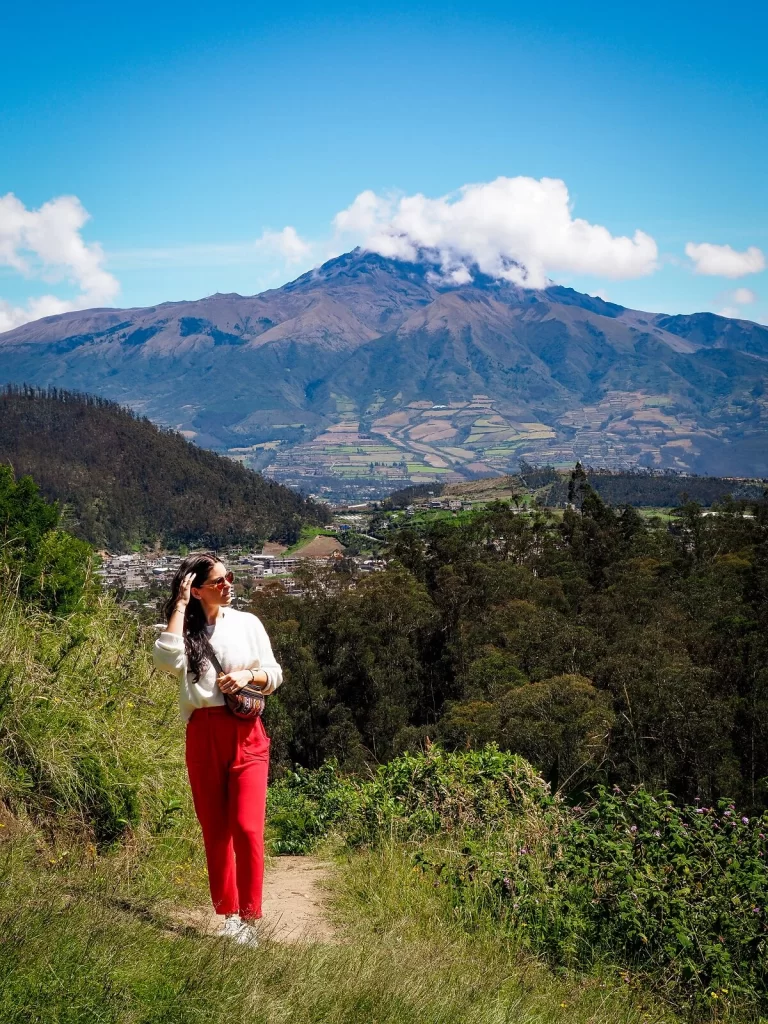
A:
[82,943]
[89,734]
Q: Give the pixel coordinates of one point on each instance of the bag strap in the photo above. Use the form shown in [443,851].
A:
[215,661]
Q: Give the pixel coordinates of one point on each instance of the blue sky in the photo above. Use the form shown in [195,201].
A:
[187,131]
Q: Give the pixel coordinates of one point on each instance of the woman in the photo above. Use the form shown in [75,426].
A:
[227,757]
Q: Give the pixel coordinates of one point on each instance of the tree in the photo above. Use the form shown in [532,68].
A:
[46,565]
[58,576]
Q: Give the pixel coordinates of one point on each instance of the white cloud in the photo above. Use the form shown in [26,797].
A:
[735,300]
[723,261]
[518,229]
[47,244]
[285,243]
[365,215]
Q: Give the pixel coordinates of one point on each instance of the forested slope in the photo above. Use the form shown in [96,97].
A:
[123,481]
[645,488]
[600,645]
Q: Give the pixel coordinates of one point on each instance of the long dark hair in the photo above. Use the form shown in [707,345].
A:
[196,642]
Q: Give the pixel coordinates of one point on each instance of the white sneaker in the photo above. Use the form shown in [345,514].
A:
[231,926]
[247,935]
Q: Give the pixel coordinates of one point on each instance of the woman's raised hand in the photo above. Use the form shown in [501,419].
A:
[185,590]
[176,621]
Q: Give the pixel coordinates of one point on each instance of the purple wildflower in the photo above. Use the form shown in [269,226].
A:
[727,814]
[699,810]
[633,829]
[745,821]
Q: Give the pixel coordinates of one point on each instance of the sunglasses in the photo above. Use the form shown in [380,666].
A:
[220,581]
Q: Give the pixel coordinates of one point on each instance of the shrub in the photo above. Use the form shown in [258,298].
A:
[305,805]
[680,893]
[411,797]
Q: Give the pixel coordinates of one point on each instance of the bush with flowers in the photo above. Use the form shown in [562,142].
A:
[679,893]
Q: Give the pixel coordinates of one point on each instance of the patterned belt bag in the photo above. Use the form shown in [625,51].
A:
[248,702]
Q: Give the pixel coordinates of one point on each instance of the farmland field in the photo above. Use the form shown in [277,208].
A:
[458,441]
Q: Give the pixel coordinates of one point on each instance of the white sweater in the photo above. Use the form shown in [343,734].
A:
[239,640]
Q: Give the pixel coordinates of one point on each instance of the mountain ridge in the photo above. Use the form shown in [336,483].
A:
[559,375]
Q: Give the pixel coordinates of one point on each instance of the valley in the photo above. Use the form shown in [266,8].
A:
[449,443]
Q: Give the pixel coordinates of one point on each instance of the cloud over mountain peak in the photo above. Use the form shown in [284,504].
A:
[515,229]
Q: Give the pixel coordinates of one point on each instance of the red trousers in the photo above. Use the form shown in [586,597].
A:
[228,762]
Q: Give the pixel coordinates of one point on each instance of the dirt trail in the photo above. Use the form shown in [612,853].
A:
[294,903]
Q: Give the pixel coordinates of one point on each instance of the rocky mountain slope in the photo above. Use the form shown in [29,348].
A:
[371,369]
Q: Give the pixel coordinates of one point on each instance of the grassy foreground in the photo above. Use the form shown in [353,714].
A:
[96,940]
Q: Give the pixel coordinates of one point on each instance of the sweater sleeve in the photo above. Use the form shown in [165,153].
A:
[267,658]
[169,654]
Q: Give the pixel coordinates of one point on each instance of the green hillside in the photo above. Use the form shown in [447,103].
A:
[121,481]
[533,749]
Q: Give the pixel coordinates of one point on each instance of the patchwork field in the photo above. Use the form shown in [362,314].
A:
[457,441]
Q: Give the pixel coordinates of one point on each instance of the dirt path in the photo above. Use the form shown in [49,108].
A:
[294,903]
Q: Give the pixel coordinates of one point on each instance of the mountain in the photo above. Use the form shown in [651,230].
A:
[123,481]
[369,371]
